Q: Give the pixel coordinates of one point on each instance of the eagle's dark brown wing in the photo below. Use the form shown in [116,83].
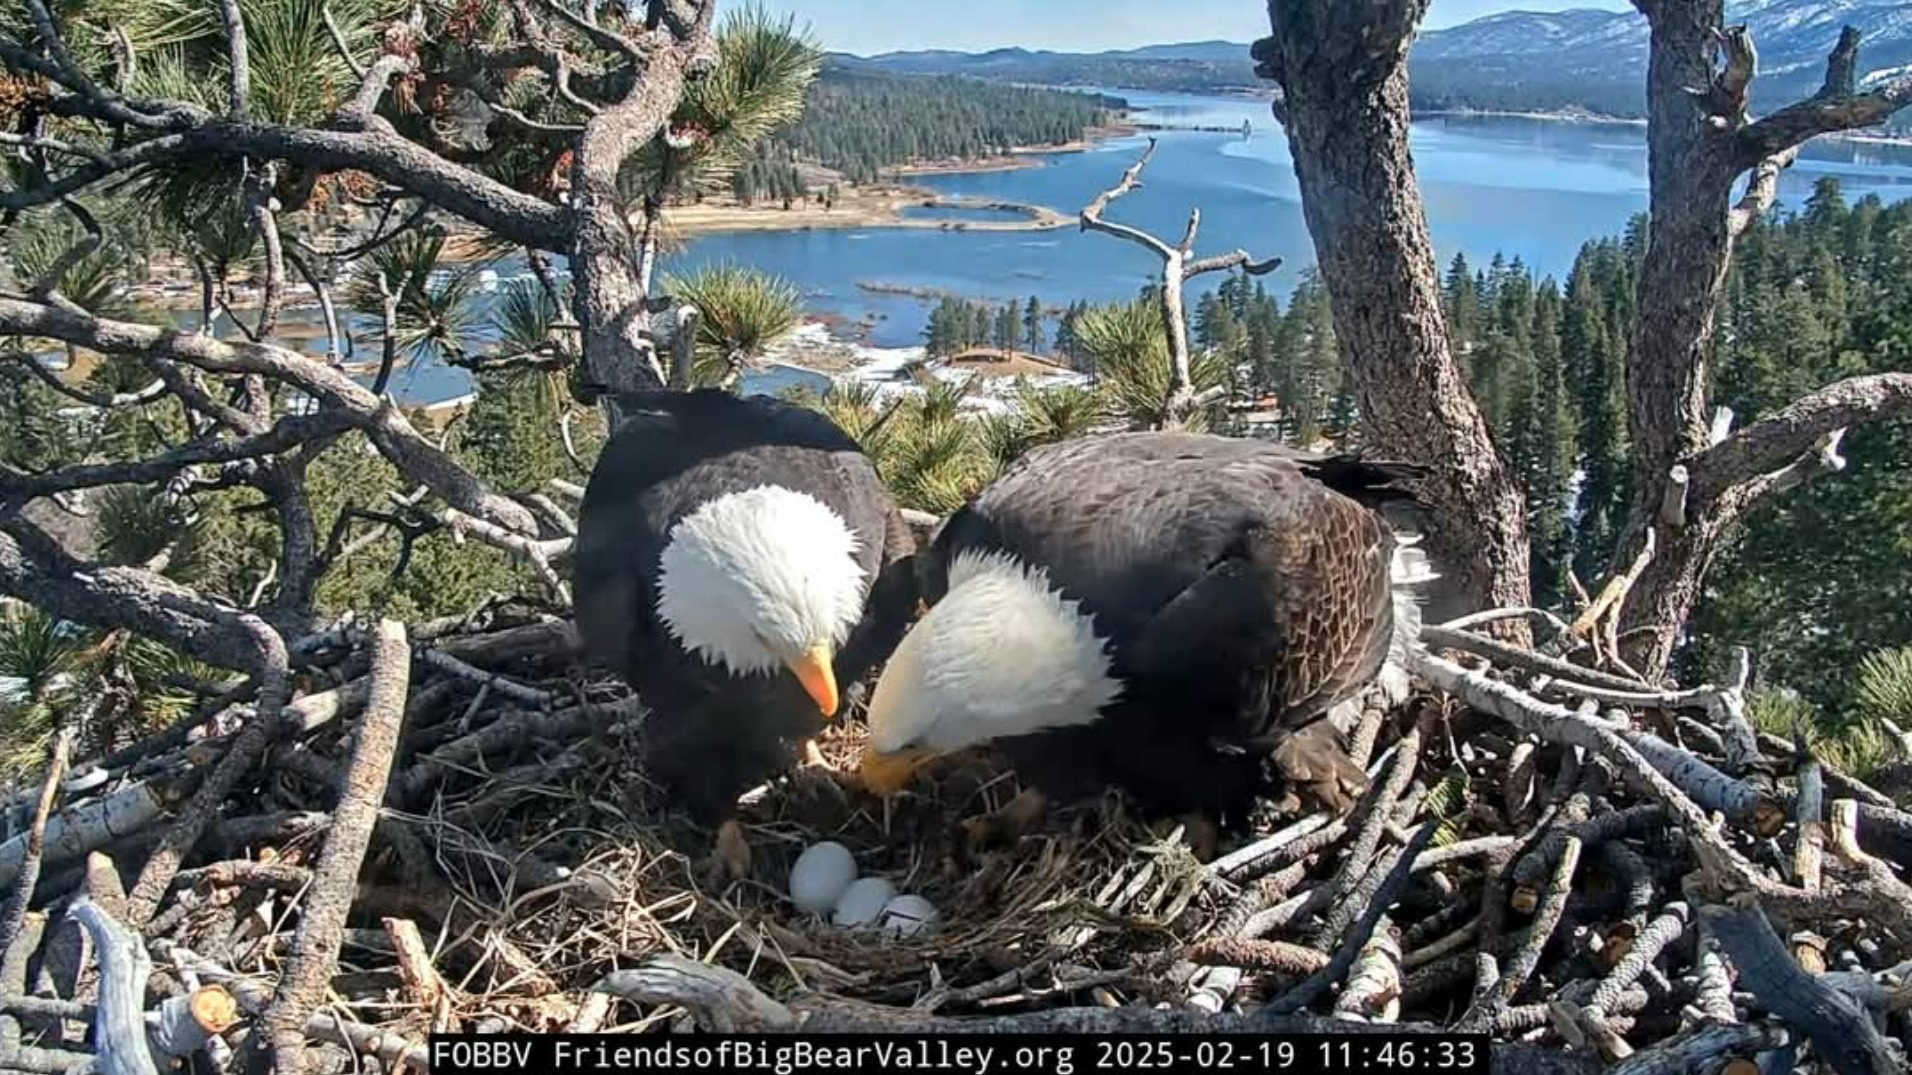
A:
[1245,586]
[712,735]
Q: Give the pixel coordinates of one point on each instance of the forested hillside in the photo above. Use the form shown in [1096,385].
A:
[859,122]
[1582,60]
[1813,297]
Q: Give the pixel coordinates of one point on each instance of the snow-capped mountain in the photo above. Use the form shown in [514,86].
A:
[1530,50]
[1584,59]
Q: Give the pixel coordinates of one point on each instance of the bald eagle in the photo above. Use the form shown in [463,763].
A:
[738,561]
[1162,612]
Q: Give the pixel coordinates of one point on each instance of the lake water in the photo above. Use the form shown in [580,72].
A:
[984,214]
[1531,189]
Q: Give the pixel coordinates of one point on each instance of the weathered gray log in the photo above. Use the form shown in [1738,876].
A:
[119,1034]
[1708,786]
[315,953]
[724,1001]
[1840,1031]
[89,826]
[1692,1049]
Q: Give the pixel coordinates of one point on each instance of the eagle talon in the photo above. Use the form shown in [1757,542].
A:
[1317,767]
[730,859]
[1004,826]
[813,756]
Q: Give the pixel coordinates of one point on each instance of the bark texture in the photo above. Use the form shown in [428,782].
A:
[1701,140]
[1342,69]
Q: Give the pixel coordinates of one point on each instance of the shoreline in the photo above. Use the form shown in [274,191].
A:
[882,204]
[866,207]
[1572,116]
[1021,157]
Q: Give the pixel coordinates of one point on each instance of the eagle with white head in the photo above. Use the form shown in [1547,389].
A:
[738,562]
[1162,612]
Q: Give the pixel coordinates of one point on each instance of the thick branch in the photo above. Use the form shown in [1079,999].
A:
[1836,107]
[36,570]
[1779,439]
[315,953]
[1761,190]
[1131,179]
[149,394]
[388,428]
[238,62]
[1840,1031]
[288,433]
[120,1030]
[376,149]
[1233,259]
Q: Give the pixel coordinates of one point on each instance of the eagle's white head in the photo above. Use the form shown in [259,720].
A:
[764,578]
[1002,654]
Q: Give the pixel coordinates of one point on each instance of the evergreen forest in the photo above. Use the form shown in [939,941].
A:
[861,122]
[1813,296]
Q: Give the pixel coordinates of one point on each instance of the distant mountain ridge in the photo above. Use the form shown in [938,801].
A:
[1576,60]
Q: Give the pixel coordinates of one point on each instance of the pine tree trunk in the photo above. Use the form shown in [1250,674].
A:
[1689,244]
[1342,69]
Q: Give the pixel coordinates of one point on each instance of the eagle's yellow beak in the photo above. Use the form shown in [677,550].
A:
[813,670]
[886,774]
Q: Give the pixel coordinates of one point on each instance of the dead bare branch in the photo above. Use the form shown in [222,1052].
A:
[315,950]
[1177,270]
[14,915]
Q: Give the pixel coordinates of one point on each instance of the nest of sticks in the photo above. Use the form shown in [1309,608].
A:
[449,829]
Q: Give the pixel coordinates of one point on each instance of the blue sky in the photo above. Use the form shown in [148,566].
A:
[866,26]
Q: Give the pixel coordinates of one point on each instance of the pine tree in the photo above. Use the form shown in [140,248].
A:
[1007,328]
[511,436]
[1066,343]
[1592,341]
[1549,481]
[1032,318]
[1462,302]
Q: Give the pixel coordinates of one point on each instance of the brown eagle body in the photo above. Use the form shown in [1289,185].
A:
[711,734]
[1244,589]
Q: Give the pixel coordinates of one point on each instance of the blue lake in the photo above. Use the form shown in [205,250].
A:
[958,213]
[1532,189]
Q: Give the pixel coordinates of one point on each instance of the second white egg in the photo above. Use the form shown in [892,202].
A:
[863,902]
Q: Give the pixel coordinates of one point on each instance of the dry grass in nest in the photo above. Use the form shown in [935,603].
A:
[1091,889]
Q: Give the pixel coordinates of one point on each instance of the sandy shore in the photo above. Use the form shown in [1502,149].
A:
[1019,157]
[862,207]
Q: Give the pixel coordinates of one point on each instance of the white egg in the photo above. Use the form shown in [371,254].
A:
[907,915]
[820,875]
[862,902]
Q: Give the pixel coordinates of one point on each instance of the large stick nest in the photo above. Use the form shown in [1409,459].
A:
[1510,869]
